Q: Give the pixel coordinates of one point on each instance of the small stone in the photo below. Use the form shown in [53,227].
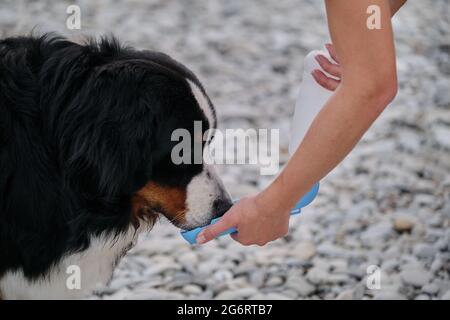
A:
[377,233]
[345,295]
[257,278]
[304,250]
[300,285]
[290,293]
[436,265]
[441,135]
[274,282]
[430,288]
[388,295]
[236,294]
[179,280]
[154,294]
[223,275]
[188,259]
[258,296]
[359,290]
[161,268]
[446,296]
[208,267]
[442,93]
[356,271]
[415,277]
[435,221]
[403,224]
[206,295]
[118,295]
[424,251]
[192,289]
[390,265]
[277,296]
[443,244]
[339,266]
[317,275]
[331,250]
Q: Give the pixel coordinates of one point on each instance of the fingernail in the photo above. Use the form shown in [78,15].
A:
[201,239]
[314,73]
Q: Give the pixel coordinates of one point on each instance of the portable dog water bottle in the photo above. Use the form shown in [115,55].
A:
[191,236]
[310,100]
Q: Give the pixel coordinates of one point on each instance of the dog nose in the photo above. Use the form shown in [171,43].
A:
[221,206]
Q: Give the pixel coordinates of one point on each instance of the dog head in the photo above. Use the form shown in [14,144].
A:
[189,194]
[115,133]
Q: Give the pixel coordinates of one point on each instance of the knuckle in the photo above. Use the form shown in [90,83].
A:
[334,69]
[320,62]
[321,81]
[208,234]
[327,64]
[329,84]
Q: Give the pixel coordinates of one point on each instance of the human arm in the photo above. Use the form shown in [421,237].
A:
[333,67]
[368,84]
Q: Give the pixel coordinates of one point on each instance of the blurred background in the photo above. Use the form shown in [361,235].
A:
[387,205]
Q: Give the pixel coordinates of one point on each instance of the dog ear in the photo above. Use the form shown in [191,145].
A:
[105,133]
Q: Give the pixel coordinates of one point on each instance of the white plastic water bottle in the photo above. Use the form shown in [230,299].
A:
[311,98]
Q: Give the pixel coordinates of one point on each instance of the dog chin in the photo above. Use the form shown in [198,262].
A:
[207,199]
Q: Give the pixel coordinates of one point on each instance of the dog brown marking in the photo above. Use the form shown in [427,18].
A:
[154,198]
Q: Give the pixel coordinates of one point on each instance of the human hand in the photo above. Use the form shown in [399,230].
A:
[331,67]
[257,222]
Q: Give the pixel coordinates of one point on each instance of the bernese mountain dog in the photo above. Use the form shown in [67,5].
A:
[85,159]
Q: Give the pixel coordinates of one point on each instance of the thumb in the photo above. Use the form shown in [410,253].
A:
[213,231]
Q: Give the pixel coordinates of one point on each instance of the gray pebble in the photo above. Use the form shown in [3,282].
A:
[430,288]
[192,289]
[446,296]
[300,285]
[236,294]
[415,277]
[425,251]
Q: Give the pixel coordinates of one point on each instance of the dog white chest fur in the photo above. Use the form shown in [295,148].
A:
[76,276]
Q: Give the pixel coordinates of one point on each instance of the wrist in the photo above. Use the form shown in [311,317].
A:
[288,190]
[275,199]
